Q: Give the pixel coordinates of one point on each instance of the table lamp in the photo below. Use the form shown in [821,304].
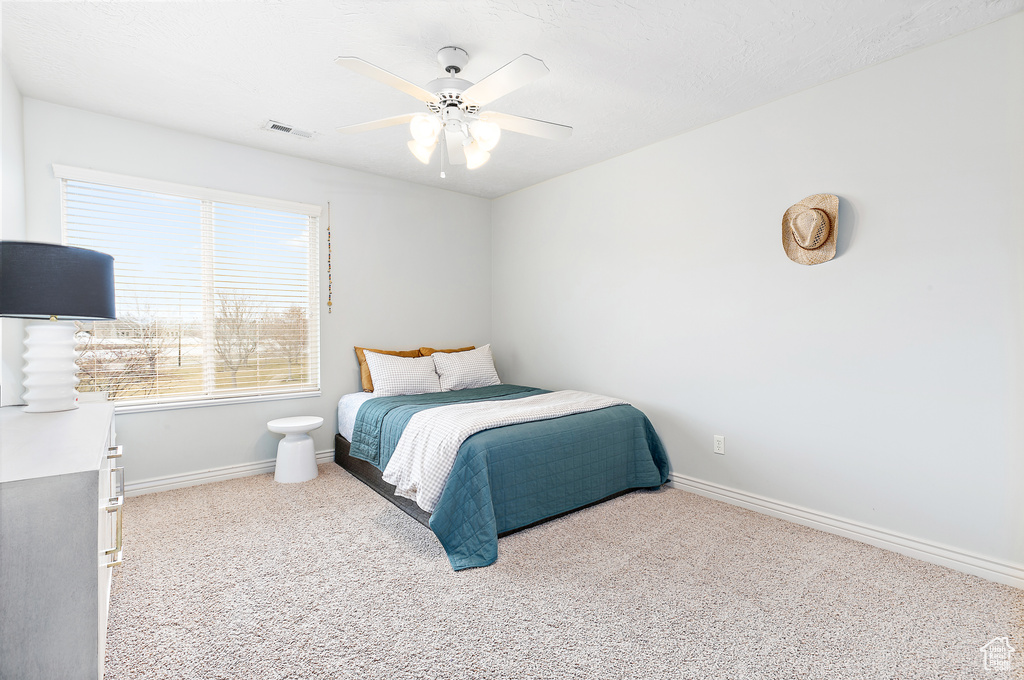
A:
[59,283]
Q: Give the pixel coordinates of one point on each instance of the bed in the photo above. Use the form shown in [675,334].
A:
[506,478]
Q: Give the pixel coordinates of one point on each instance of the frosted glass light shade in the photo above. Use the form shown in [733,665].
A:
[425,129]
[50,368]
[475,156]
[422,153]
[485,134]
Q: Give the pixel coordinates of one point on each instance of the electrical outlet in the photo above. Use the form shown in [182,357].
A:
[720,444]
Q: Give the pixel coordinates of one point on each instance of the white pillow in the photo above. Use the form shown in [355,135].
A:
[463,370]
[401,375]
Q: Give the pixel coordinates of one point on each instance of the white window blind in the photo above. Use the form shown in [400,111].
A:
[216,298]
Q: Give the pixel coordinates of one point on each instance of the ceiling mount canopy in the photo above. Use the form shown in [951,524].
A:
[454,119]
[452,59]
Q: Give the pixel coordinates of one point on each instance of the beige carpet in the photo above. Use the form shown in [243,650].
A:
[252,579]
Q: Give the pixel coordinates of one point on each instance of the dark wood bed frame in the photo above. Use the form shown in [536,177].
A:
[369,475]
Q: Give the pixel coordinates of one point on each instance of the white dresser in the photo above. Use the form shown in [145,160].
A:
[60,511]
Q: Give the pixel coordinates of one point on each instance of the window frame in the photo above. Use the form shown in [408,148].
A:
[64,172]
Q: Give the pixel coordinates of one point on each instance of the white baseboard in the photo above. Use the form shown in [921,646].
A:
[935,553]
[259,467]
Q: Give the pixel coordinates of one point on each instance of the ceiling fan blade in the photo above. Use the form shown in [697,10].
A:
[367,69]
[513,75]
[527,126]
[456,154]
[377,124]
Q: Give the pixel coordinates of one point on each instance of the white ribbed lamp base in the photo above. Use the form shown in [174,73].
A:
[50,367]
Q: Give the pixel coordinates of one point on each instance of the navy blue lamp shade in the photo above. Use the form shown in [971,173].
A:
[41,280]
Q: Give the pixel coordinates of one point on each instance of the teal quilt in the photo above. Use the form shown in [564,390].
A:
[510,477]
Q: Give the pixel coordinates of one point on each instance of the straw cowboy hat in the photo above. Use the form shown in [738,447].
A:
[809,229]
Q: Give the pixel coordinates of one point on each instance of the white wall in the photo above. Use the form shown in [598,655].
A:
[12,228]
[411,268]
[885,386]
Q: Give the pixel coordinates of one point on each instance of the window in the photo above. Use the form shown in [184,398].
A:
[217,293]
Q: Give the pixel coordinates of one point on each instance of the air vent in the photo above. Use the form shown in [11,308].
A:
[287,129]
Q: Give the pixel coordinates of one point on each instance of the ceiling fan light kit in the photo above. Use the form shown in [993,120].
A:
[486,134]
[421,152]
[425,129]
[453,109]
[475,156]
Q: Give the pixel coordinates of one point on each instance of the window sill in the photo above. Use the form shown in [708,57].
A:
[203,403]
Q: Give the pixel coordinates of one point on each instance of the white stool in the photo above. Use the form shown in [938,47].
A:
[296,457]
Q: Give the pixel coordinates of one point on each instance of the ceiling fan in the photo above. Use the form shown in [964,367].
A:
[453,109]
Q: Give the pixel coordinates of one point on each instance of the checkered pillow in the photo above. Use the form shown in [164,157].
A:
[393,375]
[463,370]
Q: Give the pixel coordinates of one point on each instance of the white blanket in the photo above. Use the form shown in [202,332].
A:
[426,451]
[348,407]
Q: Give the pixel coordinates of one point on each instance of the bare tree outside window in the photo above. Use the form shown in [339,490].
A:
[121,357]
[236,331]
[289,333]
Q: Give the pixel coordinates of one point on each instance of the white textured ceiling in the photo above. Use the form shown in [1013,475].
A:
[624,73]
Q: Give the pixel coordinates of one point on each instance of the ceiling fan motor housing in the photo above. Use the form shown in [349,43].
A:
[449,94]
